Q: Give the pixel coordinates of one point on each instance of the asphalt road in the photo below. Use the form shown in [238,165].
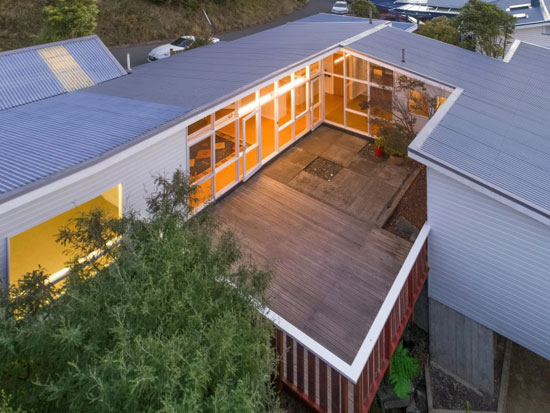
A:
[138,54]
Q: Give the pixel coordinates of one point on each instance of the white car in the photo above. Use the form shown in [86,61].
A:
[178,45]
[340,7]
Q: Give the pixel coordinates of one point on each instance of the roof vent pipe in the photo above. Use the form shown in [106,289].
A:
[128,66]
[402,55]
[370,16]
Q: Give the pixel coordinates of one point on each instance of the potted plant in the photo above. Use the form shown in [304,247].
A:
[396,140]
[379,148]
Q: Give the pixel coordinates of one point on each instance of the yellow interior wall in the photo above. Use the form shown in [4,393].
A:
[36,246]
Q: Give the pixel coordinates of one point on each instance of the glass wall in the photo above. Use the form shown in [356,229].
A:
[343,89]
[358,94]
[229,145]
[37,246]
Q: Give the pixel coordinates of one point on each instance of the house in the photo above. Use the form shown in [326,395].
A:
[533,17]
[78,132]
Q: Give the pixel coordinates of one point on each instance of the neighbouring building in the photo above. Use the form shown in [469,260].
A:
[78,132]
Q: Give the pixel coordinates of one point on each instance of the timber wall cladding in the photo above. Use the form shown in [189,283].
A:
[317,383]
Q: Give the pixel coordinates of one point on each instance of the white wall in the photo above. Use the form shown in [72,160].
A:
[533,35]
[135,173]
[489,262]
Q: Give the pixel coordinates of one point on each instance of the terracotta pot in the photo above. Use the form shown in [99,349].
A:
[379,151]
[396,160]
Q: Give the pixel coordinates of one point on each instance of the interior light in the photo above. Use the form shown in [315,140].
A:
[264,99]
[339,59]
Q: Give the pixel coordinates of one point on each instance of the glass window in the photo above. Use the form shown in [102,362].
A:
[334,99]
[199,127]
[225,147]
[267,92]
[203,193]
[285,108]
[200,159]
[335,63]
[300,98]
[357,96]
[226,177]
[225,114]
[358,122]
[381,104]
[441,100]
[381,75]
[302,125]
[37,246]
[376,125]
[314,69]
[300,77]
[284,84]
[247,104]
[357,68]
[418,103]
[285,136]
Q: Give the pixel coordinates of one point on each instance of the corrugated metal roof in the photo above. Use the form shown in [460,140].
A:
[336,18]
[44,138]
[498,129]
[40,72]
[203,76]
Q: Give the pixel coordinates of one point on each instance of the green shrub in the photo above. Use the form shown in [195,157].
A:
[361,8]
[70,18]
[404,368]
[440,28]
[167,320]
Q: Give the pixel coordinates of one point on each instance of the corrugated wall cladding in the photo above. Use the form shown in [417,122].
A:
[47,137]
[135,173]
[489,262]
[36,73]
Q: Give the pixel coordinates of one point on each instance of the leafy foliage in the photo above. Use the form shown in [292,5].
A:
[484,27]
[165,320]
[440,28]
[404,367]
[361,8]
[395,136]
[70,18]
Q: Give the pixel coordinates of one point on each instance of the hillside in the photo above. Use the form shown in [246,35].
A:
[137,21]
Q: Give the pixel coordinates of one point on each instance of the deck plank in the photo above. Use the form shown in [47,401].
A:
[331,270]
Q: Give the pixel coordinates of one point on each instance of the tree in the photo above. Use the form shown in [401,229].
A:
[408,96]
[165,320]
[485,28]
[362,8]
[440,28]
[70,18]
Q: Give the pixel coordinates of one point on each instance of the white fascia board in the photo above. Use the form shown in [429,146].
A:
[511,51]
[425,132]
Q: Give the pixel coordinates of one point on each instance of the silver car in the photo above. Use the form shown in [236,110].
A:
[340,7]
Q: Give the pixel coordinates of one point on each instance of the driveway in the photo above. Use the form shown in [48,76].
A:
[138,54]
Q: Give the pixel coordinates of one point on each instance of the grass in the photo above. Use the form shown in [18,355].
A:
[123,22]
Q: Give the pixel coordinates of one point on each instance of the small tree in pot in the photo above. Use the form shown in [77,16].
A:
[409,96]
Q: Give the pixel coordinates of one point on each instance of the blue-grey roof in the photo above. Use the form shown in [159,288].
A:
[452,4]
[40,72]
[204,76]
[534,14]
[497,132]
[43,139]
[335,18]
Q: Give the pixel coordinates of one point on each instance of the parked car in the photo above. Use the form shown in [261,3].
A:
[340,7]
[178,45]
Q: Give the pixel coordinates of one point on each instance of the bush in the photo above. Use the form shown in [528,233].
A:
[361,8]
[167,320]
[70,18]
[404,368]
[440,29]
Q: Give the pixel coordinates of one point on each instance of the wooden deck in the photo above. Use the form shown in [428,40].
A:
[332,271]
